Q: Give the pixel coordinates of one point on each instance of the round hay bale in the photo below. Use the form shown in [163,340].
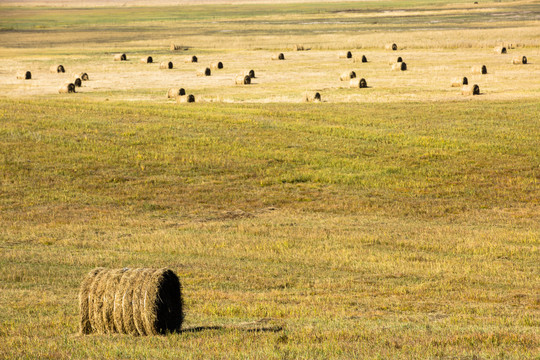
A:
[360,59]
[191,59]
[185,99]
[358,83]
[161,303]
[279,56]
[391,46]
[120,57]
[166,65]
[399,59]
[400,66]
[465,81]
[470,90]
[67,88]
[312,97]
[479,69]
[57,69]
[84,300]
[174,92]
[524,59]
[217,65]
[347,75]
[204,72]
[24,75]
[298,47]
[83,76]
[500,49]
[147,60]
[250,73]
[77,82]
[457,82]
[242,80]
[345,55]
[174,47]
[109,299]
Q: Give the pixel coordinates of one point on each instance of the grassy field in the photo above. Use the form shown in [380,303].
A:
[400,221]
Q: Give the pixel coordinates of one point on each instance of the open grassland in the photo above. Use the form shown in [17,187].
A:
[397,221]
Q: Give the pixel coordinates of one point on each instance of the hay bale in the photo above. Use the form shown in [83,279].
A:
[399,59]
[345,55]
[185,99]
[391,46]
[174,92]
[120,57]
[470,90]
[358,83]
[216,65]
[347,75]
[250,73]
[242,79]
[174,47]
[279,56]
[500,49]
[191,59]
[519,60]
[166,65]
[131,301]
[457,82]
[204,72]
[298,47]
[57,69]
[67,88]
[312,97]
[77,82]
[83,76]
[24,75]
[524,60]
[399,66]
[479,69]
[362,59]
[147,60]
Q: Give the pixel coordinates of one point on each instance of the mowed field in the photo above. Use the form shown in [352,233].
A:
[397,221]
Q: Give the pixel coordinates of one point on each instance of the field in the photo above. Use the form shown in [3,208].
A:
[398,221]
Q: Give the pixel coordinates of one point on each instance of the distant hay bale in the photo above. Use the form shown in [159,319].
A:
[24,75]
[399,59]
[519,60]
[524,59]
[457,82]
[479,69]
[166,65]
[358,83]
[191,59]
[77,82]
[174,47]
[345,55]
[358,59]
[67,88]
[391,46]
[470,90]
[204,72]
[298,47]
[174,92]
[347,75]
[279,56]
[242,79]
[147,60]
[250,73]
[185,99]
[312,96]
[130,301]
[216,65]
[83,76]
[120,57]
[500,49]
[399,66]
[57,69]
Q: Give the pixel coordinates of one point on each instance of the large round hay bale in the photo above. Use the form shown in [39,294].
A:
[500,49]
[191,59]
[166,65]
[67,88]
[57,69]
[345,55]
[120,57]
[312,96]
[358,83]
[470,90]
[250,73]
[479,69]
[457,82]
[185,99]
[24,75]
[204,72]
[399,66]
[147,60]
[279,56]
[360,59]
[131,301]
[347,75]
[216,65]
[77,82]
[174,92]
[242,80]
[391,46]
[83,76]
